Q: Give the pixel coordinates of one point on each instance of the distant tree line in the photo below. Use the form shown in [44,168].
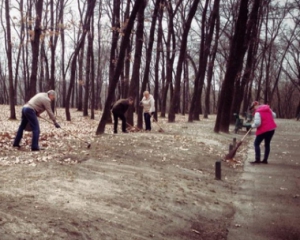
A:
[196,57]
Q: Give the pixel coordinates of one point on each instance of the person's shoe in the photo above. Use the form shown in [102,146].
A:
[115,132]
[37,149]
[255,162]
[265,162]
[125,131]
[16,146]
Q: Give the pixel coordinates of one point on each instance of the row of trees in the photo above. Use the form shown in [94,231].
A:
[196,57]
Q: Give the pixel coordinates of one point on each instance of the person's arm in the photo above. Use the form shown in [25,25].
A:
[49,111]
[141,102]
[51,114]
[257,120]
[152,106]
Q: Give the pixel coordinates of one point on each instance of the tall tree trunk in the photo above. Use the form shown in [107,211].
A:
[115,38]
[88,72]
[9,58]
[214,21]
[157,66]
[82,80]
[126,78]
[117,73]
[63,73]
[20,50]
[196,99]
[148,61]
[35,46]
[185,86]
[92,66]
[135,78]
[182,55]
[99,82]
[251,39]
[171,49]
[236,56]
[86,27]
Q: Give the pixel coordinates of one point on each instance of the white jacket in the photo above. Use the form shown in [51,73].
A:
[148,104]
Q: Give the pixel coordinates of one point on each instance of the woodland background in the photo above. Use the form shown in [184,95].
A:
[196,57]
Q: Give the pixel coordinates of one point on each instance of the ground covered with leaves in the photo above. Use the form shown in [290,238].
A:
[139,185]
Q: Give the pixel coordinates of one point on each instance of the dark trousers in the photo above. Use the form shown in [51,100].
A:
[266,137]
[123,118]
[147,119]
[29,116]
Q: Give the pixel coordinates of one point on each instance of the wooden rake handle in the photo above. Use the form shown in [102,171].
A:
[246,134]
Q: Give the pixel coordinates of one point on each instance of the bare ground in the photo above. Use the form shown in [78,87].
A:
[140,185]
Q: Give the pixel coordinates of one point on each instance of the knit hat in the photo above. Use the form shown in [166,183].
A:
[255,103]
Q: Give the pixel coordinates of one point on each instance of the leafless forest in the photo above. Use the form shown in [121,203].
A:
[196,57]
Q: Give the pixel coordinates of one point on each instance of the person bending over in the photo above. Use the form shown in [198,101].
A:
[31,110]
[119,109]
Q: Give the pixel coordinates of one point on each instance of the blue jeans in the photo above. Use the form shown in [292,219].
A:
[29,116]
[147,118]
[267,137]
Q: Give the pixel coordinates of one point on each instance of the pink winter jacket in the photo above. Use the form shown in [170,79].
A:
[266,116]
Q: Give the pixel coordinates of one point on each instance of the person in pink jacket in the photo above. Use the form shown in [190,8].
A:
[265,129]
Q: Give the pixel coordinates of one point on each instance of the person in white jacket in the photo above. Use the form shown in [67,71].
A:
[147,103]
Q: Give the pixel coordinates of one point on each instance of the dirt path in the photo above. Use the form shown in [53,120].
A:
[268,197]
[126,186]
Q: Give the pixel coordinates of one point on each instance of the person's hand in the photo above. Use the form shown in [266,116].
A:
[56,125]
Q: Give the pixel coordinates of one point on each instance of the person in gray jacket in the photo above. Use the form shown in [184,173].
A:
[31,110]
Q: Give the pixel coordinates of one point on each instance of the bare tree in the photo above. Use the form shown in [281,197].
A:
[195,107]
[35,47]
[120,63]
[170,55]
[181,59]
[235,61]
[80,45]
[135,78]
[9,58]
[148,60]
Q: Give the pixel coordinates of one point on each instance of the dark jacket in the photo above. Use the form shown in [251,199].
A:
[120,106]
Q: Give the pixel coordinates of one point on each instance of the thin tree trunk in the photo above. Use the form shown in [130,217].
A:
[9,58]
[182,55]
[86,26]
[157,60]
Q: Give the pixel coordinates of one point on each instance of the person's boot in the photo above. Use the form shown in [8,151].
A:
[256,161]
[264,161]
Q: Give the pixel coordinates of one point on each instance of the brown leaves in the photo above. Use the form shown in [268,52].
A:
[57,143]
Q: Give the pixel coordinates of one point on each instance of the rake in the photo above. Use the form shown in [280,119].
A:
[233,151]
[160,128]
[88,144]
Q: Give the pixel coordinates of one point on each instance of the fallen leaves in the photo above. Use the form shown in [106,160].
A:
[57,143]
[181,141]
